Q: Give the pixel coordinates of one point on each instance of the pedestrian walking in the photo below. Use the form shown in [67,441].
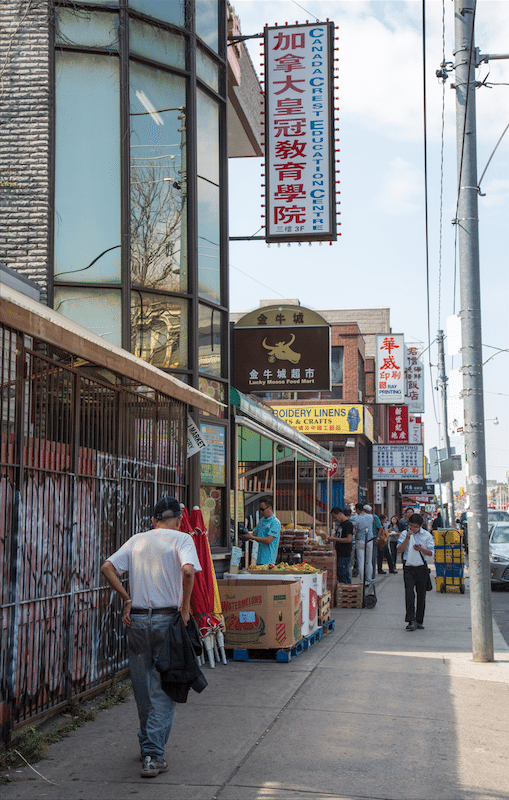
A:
[393,538]
[382,542]
[364,543]
[416,545]
[342,542]
[161,564]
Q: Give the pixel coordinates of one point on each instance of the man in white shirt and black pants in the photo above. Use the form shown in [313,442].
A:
[161,564]
[415,575]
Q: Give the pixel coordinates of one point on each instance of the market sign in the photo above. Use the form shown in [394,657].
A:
[398,462]
[390,372]
[281,349]
[414,380]
[299,133]
[398,424]
[322,418]
[212,457]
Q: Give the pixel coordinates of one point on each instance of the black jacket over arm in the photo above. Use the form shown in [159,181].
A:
[177,661]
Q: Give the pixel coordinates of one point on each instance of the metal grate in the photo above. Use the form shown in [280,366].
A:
[82,459]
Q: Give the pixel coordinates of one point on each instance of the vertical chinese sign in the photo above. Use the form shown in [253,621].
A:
[300,197]
[390,368]
[414,379]
[398,424]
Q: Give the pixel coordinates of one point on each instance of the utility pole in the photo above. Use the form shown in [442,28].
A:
[442,379]
[471,350]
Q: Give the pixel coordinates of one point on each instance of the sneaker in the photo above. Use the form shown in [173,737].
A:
[151,767]
[412,626]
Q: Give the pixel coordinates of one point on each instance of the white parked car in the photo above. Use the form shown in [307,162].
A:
[499,553]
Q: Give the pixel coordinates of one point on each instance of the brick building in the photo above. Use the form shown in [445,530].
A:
[352,395]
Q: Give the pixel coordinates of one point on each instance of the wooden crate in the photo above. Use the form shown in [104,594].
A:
[349,595]
[324,606]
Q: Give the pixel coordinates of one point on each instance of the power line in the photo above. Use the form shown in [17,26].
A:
[426,214]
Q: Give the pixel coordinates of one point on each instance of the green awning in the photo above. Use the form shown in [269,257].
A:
[260,418]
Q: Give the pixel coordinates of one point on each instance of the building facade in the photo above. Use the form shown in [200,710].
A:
[118,120]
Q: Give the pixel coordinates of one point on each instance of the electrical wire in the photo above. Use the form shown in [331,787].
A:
[442,142]
[426,213]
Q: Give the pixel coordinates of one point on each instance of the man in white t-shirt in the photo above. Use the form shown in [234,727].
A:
[161,564]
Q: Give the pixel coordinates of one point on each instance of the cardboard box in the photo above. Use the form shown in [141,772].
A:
[260,614]
[311,585]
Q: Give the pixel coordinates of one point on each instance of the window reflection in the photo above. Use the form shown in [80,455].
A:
[209,284]
[87,171]
[156,44]
[207,22]
[209,340]
[207,70]
[99,310]
[159,329]
[158,179]
[166,10]
[85,27]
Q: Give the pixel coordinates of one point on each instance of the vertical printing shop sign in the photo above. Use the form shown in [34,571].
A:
[390,368]
[414,380]
[212,457]
[299,133]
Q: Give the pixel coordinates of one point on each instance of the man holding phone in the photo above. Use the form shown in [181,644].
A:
[415,573]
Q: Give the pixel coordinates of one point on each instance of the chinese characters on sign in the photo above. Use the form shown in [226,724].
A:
[398,462]
[322,419]
[299,133]
[414,380]
[390,373]
[212,458]
[398,424]
[282,359]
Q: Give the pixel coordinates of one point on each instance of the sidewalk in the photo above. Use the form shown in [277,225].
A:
[371,711]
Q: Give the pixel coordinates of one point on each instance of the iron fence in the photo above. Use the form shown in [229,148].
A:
[82,459]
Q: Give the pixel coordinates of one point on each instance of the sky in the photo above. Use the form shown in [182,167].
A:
[380,257]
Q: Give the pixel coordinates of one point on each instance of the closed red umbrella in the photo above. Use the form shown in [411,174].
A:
[185,522]
[202,598]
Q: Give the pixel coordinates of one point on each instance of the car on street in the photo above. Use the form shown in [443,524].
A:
[499,553]
[494,515]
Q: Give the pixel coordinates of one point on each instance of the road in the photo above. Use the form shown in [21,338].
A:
[500,608]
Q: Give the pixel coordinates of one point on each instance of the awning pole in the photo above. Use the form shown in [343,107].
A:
[314,497]
[295,490]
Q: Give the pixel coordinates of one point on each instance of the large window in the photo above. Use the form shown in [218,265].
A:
[87,171]
[337,372]
[158,179]
[209,283]
[124,141]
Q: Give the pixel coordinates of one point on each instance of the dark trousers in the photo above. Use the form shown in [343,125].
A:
[416,579]
[385,553]
[393,552]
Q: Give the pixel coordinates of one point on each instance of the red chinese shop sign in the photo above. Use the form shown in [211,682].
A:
[299,134]
[390,368]
[398,424]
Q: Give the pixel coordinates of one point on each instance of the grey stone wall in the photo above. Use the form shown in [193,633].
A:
[25,137]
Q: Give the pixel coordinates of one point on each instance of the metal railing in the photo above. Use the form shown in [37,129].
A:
[83,458]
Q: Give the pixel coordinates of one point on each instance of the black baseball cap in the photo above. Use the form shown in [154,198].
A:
[167,504]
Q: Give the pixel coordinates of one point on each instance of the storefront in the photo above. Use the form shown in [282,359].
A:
[269,457]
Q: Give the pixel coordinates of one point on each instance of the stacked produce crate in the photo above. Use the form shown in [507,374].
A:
[349,595]
[325,560]
[324,606]
[449,561]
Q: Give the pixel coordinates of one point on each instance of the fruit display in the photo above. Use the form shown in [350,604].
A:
[287,569]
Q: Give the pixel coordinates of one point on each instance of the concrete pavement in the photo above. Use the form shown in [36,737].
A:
[370,712]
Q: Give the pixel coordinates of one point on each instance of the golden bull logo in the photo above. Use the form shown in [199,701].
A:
[282,351]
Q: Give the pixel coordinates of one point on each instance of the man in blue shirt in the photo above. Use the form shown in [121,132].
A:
[266,533]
